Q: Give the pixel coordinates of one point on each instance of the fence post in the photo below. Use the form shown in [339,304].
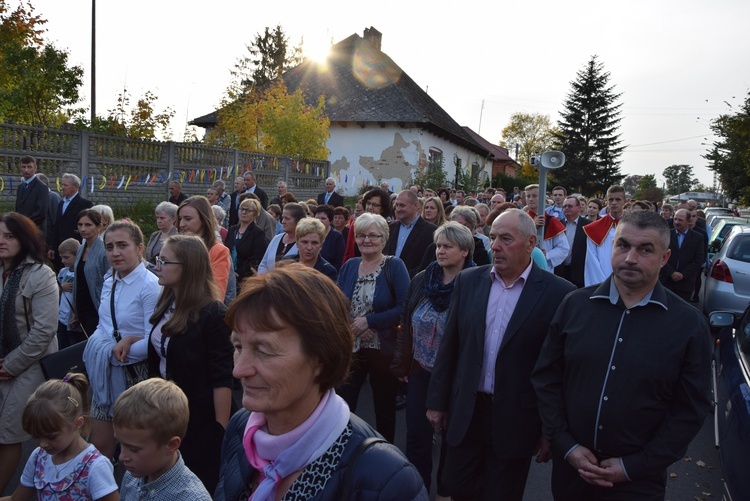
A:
[170,164]
[83,155]
[236,163]
[287,163]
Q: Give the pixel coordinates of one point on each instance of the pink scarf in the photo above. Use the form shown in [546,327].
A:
[278,456]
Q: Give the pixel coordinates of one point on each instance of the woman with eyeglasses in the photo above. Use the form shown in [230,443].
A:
[246,241]
[376,287]
[189,344]
[375,201]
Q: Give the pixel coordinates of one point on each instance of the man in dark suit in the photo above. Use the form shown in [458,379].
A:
[572,266]
[687,255]
[480,395]
[234,204]
[67,215]
[252,187]
[32,197]
[330,197]
[693,225]
[410,234]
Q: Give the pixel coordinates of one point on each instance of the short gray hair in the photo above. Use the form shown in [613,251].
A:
[167,208]
[219,213]
[331,179]
[648,220]
[368,219]
[106,212]
[525,225]
[74,180]
[219,184]
[469,213]
[457,234]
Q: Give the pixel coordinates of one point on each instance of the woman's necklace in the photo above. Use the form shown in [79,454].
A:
[366,268]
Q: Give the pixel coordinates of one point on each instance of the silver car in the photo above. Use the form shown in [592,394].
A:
[727,286]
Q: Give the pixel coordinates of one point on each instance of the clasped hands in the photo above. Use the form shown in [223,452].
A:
[604,474]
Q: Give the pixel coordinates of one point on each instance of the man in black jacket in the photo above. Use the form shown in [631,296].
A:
[252,187]
[410,234]
[572,266]
[330,197]
[687,255]
[623,378]
[32,196]
[67,215]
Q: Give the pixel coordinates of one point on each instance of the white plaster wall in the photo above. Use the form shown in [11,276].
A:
[371,154]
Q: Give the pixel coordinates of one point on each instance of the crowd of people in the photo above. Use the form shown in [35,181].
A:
[507,346]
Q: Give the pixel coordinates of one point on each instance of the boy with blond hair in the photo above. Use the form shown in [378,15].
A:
[67,335]
[150,420]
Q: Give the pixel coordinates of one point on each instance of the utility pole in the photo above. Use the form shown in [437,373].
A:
[481,110]
[93,61]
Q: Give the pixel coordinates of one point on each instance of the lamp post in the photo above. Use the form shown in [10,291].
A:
[93,61]
[549,160]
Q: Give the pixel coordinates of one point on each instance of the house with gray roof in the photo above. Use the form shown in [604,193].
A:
[384,127]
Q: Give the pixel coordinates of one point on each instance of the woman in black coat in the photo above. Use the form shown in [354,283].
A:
[246,241]
[189,344]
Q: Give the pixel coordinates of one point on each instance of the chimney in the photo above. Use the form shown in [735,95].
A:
[373,37]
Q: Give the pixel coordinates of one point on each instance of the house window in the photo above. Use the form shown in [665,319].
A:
[435,161]
[475,173]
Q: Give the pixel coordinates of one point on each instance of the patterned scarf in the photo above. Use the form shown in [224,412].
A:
[10,338]
[435,290]
[276,457]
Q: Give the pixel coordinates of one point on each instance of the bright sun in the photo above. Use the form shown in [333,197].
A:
[316,48]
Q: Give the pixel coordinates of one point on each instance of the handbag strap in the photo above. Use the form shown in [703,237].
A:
[116,332]
[346,483]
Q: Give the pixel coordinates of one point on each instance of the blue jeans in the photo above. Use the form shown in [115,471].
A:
[419,432]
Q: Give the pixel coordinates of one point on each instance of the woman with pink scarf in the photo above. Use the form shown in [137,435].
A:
[295,438]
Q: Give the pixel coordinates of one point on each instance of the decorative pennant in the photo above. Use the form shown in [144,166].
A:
[128,183]
[122,181]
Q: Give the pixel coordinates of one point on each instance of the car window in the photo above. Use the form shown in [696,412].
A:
[739,249]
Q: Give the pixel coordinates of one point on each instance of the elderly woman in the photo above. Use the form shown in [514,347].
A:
[422,324]
[433,211]
[247,243]
[219,214]
[310,234]
[375,201]
[90,267]
[166,215]
[295,438]
[667,211]
[108,216]
[28,316]
[284,244]
[376,286]
[333,243]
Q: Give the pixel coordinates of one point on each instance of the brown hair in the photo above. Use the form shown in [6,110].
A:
[276,300]
[29,237]
[197,286]
[205,215]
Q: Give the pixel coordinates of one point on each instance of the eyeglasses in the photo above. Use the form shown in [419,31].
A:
[160,263]
[372,237]
[372,204]
[246,210]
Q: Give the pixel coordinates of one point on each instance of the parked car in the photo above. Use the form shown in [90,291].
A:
[720,230]
[727,284]
[731,372]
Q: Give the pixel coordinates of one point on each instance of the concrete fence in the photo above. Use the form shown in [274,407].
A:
[120,171]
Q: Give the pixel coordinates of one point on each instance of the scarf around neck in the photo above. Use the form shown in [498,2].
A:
[10,338]
[278,456]
[436,291]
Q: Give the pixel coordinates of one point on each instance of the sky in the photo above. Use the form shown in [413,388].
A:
[677,64]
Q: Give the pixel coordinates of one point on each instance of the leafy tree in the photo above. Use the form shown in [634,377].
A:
[730,154]
[37,85]
[269,56]
[630,183]
[679,178]
[648,190]
[140,121]
[533,133]
[588,133]
[433,177]
[276,122]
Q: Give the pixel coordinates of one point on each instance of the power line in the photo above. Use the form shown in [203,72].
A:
[670,141]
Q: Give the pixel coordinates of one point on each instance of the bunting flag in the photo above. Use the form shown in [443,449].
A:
[2,184]
[103,184]
[57,182]
[122,181]
[161,178]
[128,183]
[93,178]
[112,182]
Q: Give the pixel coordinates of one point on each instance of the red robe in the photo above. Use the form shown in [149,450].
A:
[552,225]
[599,229]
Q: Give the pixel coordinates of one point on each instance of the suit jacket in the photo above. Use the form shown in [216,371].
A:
[261,196]
[416,244]
[516,424]
[574,272]
[687,259]
[67,223]
[234,207]
[32,202]
[336,200]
